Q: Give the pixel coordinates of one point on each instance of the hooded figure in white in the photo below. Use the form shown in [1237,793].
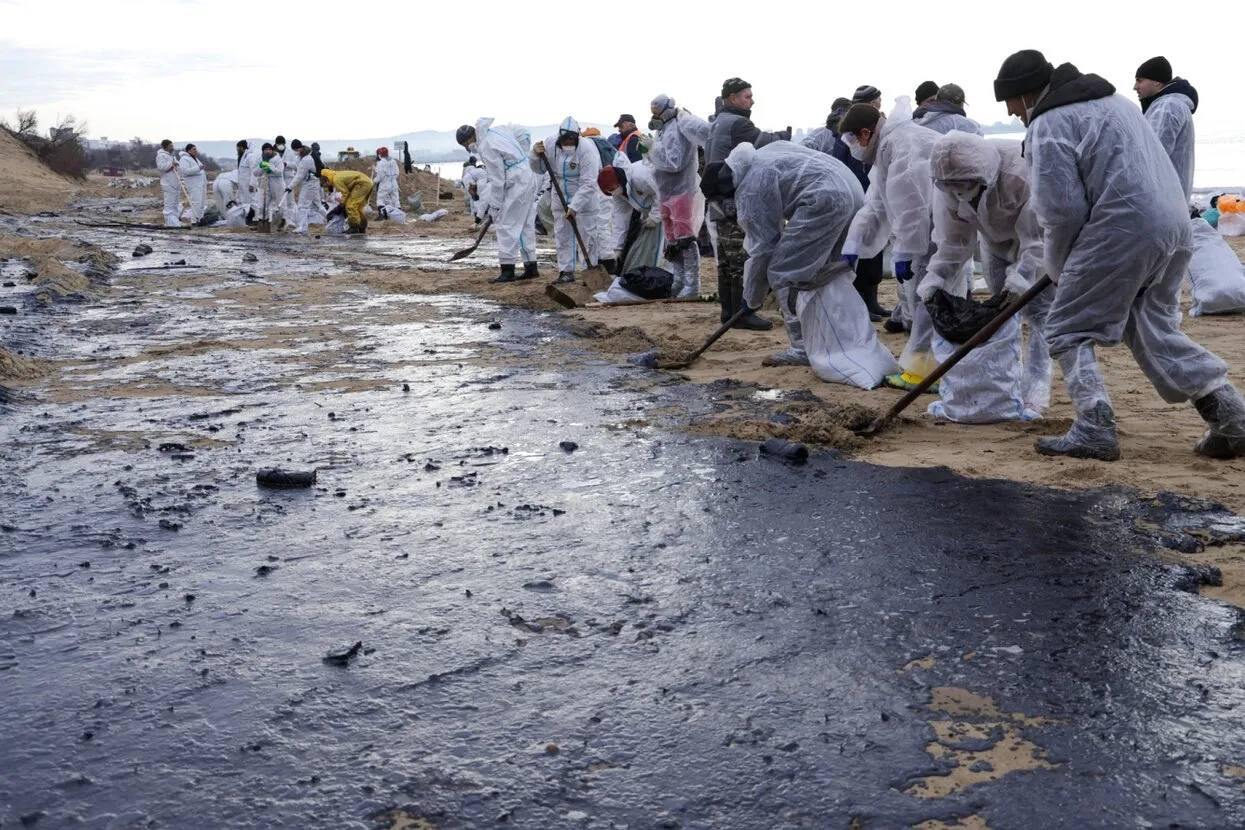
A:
[195,178]
[1116,238]
[170,185]
[574,163]
[385,175]
[511,192]
[897,209]
[636,213]
[246,164]
[268,173]
[225,191]
[307,183]
[675,162]
[476,176]
[983,188]
[794,205]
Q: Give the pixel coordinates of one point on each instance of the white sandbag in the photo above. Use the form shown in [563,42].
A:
[1231,224]
[1215,274]
[235,217]
[841,343]
[617,294]
[987,385]
[395,215]
[335,225]
[434,216]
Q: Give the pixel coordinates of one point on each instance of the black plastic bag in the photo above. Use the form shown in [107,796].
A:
[648,282]
[957,319]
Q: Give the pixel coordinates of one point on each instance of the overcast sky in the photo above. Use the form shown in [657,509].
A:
[224,69]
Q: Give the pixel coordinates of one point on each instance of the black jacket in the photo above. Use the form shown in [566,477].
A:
[1177,86]
[1068,85]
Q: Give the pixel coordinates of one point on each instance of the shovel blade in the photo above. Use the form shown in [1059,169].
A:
[462,254]
[597,279]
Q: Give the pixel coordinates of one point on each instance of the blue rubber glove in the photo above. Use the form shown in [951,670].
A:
[850,259]
[903,270]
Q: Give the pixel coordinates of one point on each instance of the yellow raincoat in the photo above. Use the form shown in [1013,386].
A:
[355,189]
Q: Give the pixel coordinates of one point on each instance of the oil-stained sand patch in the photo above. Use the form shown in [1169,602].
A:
[979,742]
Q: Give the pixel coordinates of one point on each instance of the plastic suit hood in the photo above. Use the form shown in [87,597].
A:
[794,205]
[900,193]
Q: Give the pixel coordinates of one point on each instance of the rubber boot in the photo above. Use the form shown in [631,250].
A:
[691,271]
[726,298]
[869,293]
[610,266]
[793,355]
[1224,411]
[530,271]
[1092,436]
[506,275]
[751,320]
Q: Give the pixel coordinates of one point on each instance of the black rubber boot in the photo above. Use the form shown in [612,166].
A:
[751,320]
[506,275]
[530,271]
[564,277]
[610,266]
[1224,412]
[868,278]
[725,297]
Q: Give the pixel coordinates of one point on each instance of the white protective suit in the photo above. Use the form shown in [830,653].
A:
[195,178]
[1170,115]
[898,208]
[795,205]
[575,170]
[170,187]
[386,178]
[675,162]
[1117,238]
[1006,224]
[274,181]
[308,208]
[943,122]
[638,197]
[511,191]
[289,162]
[246,183]
[477,177]
[225,190]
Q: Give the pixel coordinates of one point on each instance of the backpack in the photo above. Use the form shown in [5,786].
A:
[606,150]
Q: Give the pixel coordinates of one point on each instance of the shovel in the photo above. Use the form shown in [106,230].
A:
[595,277]
[713,338]
[466,252]
[985,333]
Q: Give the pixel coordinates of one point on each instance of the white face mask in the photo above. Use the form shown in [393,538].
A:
[854,147]
[473,148]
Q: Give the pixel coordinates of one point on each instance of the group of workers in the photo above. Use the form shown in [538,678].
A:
[287,184]
[1096,198]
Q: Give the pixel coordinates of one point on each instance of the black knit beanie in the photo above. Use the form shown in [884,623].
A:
[1025,71]
[866,93]
[926,90]
[1156,69]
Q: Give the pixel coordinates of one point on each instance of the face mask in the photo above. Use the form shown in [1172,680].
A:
[473,148]
[654,123]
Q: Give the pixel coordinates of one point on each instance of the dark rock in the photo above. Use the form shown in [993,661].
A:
[173,446]
[646,359]
[264,570]
[10,284]
[568,446]
[285,479]
[249,257]
[495,326]
[406,387]
[169,524]
[342,657]
[142,250]
[786,450]
[7,309]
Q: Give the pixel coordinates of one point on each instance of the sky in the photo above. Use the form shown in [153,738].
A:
[182,69]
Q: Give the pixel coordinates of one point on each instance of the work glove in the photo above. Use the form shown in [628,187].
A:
[903,270]
[928,286]
[1015,283]
[265,166]
[539,148]
[850,259]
